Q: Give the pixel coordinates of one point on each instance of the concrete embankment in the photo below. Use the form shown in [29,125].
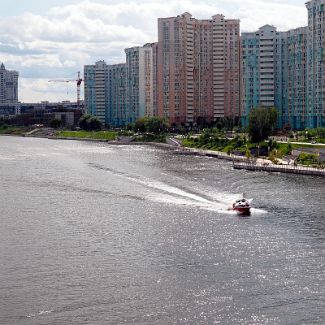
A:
[280,168]
[240,162]
[77,139]
[210,153]
[114,142]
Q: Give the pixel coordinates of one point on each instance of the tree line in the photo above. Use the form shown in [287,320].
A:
[261,122]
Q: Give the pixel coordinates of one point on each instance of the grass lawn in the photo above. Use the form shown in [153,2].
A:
[98,135]
[307,145]
[4,129]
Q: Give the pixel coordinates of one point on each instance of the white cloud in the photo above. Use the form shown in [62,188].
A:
[41,89]
[59,43]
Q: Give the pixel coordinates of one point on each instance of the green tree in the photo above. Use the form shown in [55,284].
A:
[3,124]
[156,124]
[94,124]
[90,123]
[56,123]
[140,125]
[83,122]
[152,124]
[261,123]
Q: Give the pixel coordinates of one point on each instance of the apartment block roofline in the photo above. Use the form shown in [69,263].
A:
[314,1]
[115,65]
[267,25]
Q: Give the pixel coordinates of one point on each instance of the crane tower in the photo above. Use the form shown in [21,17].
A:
[79,80]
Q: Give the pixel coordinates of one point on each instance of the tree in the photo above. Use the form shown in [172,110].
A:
[56,123]
[152,124]
[94,124]
[83,122]
[156,124]
[261,123]
[140,125]
[90,123]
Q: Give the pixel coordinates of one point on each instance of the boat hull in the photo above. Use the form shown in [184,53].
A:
[243,211]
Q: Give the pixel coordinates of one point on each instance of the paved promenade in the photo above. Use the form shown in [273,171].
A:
[259,164]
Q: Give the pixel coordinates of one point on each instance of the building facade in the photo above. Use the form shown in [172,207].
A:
[9,104]
[260,69]
[316,64]
[118,114]
[202,70]
[96,90]
[294,103]
[175,68]
[119,94]
[140,81]
[274,74]
[198,74]
[287,70]
[226,67]
[154,47]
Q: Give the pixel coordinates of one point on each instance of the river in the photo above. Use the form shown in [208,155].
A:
[92,233]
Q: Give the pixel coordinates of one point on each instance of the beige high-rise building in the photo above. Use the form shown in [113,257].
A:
[198,69]
[226,67]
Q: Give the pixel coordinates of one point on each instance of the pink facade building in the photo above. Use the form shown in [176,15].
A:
[198,69]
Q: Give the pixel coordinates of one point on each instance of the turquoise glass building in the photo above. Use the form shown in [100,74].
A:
[286,70]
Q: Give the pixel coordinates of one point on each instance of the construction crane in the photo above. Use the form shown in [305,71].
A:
[78,81]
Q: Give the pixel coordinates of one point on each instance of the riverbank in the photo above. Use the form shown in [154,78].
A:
[287,169]
[256,164]
[240,162]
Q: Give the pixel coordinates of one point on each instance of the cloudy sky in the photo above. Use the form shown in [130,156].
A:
[49,39]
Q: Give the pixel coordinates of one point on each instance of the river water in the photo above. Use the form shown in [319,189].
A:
[92,233]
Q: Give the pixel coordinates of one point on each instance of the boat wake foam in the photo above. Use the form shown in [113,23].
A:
[217,202]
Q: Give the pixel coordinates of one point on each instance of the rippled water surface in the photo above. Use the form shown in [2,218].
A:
[97,234]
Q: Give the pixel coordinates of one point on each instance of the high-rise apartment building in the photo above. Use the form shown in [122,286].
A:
[287,70]
[9,104]
[201,70]
[198,74]
[294,80]
[316,63]
[259,68]
[105,93]
[96,90]
[118,114]
[119,94]
[175,84]
[274,73]
[226,66]
[154,47]
[140,82]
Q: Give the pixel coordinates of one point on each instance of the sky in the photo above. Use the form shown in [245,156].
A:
[53,39]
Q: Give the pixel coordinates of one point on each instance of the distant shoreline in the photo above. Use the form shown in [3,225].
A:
[240,162]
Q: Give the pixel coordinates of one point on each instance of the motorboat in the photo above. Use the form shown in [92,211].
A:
[242,207]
